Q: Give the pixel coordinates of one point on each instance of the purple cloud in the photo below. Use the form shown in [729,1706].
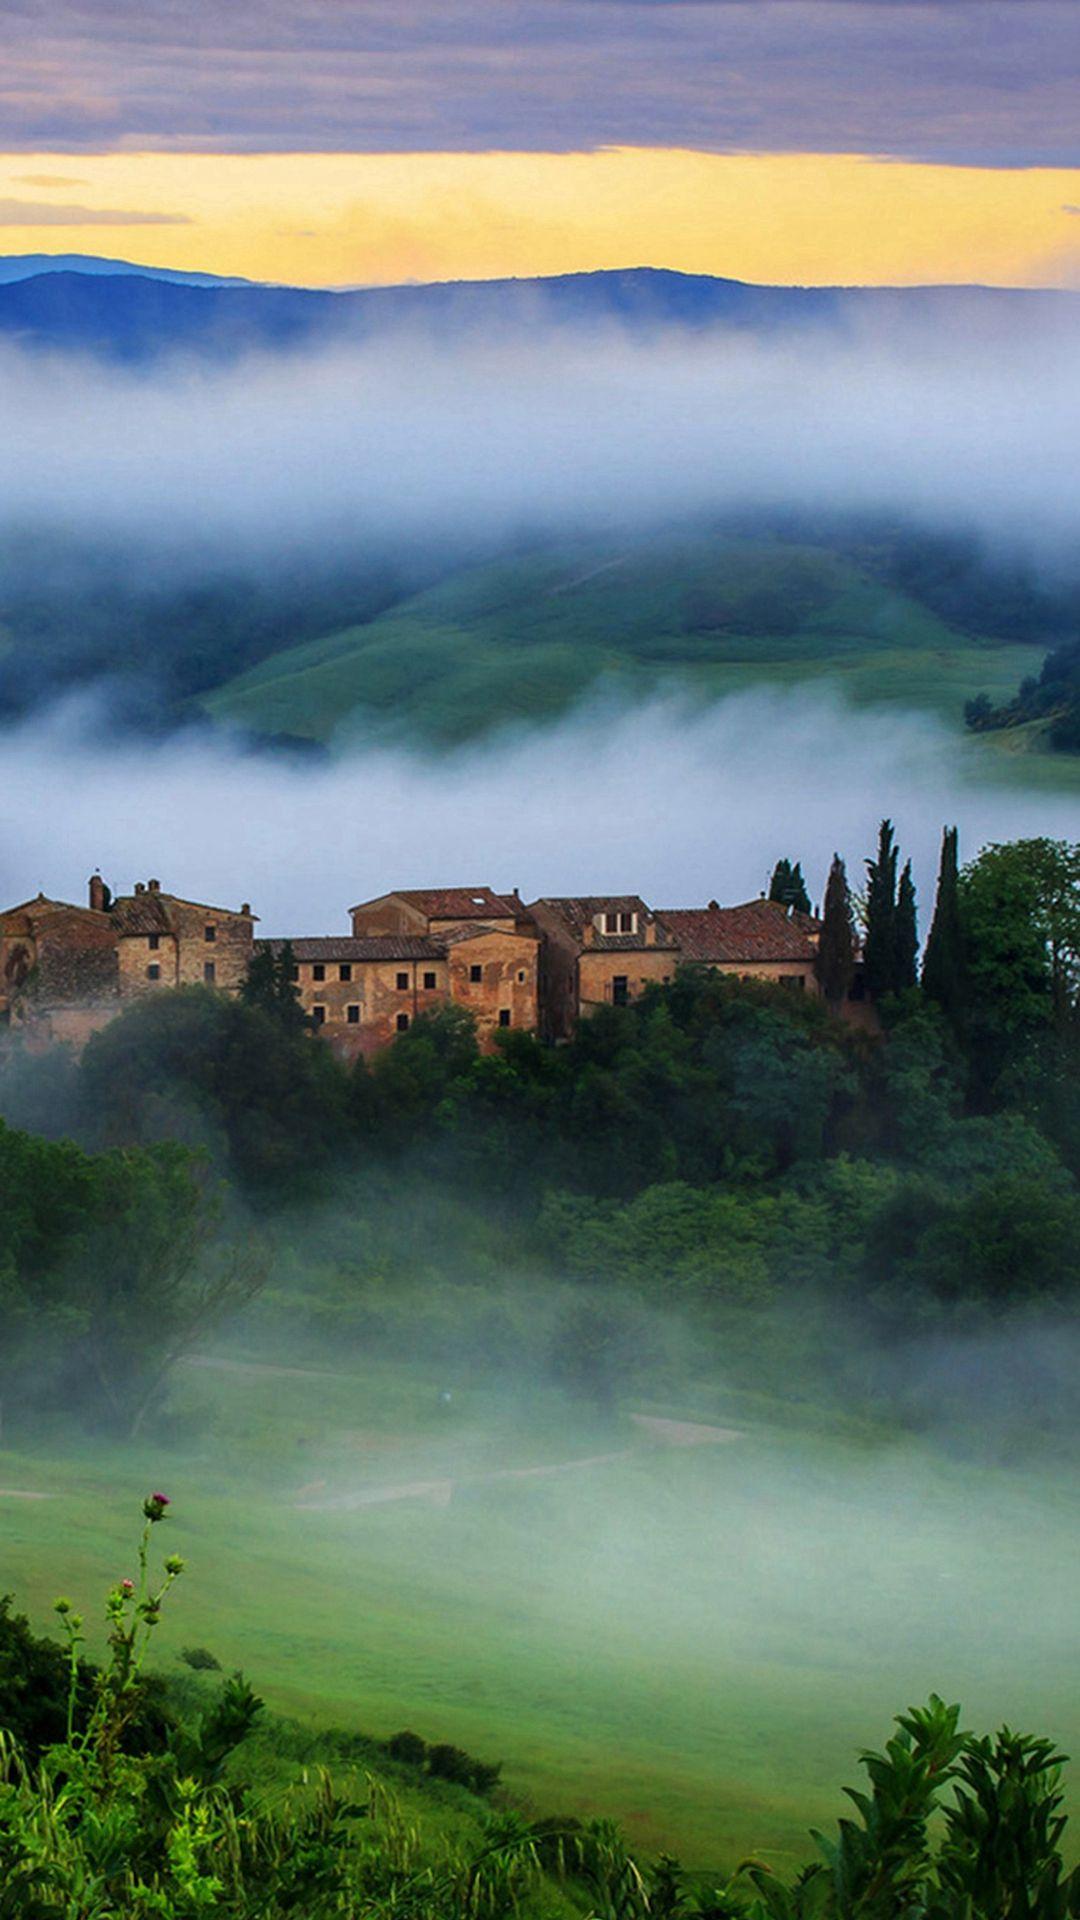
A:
[969,81]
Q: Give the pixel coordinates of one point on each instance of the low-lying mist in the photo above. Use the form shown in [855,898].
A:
[682,806]
[401,441]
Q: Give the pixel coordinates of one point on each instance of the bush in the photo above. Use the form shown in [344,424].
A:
[407,1747]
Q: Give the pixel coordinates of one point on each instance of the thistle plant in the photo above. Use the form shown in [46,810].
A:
[132,1610]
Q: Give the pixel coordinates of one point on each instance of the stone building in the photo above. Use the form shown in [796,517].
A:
[759,940]
[416,950]
[165,941]
[599,950]
[66,971]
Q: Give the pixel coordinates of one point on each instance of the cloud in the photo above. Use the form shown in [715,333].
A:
[48,213]
[969,81]
[49,180]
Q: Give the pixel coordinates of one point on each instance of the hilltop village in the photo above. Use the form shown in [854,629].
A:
[67,970]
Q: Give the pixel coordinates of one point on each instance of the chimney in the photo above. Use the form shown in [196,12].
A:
[98,893]
[714,906]
[245,910]
[153,886]
[140,886]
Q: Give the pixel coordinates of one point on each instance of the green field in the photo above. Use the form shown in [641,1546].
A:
[695,1638]
[523,639]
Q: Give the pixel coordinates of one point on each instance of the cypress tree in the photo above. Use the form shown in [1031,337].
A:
[788,886]
[906,959]
[944,973]
[879,946]
[834,962]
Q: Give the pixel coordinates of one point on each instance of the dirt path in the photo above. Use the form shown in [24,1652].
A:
[24,1493]
[440,1493]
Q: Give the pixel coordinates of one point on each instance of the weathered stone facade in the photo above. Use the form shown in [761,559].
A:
[65,970]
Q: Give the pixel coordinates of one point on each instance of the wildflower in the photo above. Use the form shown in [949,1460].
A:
[174,1564]
[61,1606]
[155,1504]
[127,1588]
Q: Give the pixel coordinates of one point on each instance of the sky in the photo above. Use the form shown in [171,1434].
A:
[341,142]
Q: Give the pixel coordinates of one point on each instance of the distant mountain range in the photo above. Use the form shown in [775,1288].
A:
[120,312]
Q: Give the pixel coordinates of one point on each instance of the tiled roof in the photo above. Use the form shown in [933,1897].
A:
[151,912]
[376,946]
[578,913]
[33,911]
[757,930]
[454,936]
[453,903]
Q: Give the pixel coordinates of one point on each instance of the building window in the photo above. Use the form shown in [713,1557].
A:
[294,973]
[352,1015]
[476,973]
[318,971]
[620,922]
[429,983]
[521,976]
[345,971]
[209,972]
[403,983]
[318,1015]
[504,1016]
[796,981]
[153,941]
[403,1023]
[620,990]
[209,935]
[153,972]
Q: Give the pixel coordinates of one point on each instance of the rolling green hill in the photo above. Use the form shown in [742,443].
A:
[524,638]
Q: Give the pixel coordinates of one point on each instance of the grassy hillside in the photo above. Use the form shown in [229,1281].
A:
[525,637]
[694,1638]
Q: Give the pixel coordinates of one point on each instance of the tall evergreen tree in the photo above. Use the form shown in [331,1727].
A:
[270,984]
[879,945]
[944,972]
[788,886]
[906,959]
[834,962]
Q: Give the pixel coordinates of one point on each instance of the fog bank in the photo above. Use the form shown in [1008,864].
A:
[679,805]
[348,449]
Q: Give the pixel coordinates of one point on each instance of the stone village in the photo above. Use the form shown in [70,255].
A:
[67,970]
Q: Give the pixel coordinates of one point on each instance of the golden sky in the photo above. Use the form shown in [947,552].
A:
[340,219]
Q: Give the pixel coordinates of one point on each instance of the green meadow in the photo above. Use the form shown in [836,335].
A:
[691,1631]
[524,638]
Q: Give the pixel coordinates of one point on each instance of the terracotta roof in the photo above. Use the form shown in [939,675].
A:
[151,912]
[452,903]
[376,946]
[757,930]
[578,912]
[454,936]
[43,908]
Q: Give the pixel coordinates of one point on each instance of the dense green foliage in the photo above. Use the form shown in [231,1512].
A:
[1049,701]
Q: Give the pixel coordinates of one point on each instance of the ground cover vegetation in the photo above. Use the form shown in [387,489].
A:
[721,1203]
[116,1797]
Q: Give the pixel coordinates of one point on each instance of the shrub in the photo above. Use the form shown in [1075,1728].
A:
[407,1747]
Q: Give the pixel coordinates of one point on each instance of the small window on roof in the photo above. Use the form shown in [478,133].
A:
[478,900]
